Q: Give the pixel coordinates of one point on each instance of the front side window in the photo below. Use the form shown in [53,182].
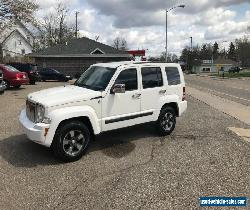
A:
[129,78]
[173,76]
[96,78]
[151,77]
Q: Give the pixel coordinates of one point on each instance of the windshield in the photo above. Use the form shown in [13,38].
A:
[10,68]
[96,78]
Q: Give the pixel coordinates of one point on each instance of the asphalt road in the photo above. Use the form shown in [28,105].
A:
[130,168]
[237,90]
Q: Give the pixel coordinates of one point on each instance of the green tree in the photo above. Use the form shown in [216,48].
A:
[243,51]
[215,50]
[232,52]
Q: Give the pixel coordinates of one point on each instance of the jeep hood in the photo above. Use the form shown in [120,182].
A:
[61,95]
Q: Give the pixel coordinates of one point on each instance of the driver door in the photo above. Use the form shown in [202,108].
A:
[122,109]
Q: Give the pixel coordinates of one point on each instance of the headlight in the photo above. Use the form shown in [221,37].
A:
[40,111]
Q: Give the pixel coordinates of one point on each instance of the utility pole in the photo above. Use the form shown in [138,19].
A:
[168,10]
[191,39]
[166,56]
[76,25]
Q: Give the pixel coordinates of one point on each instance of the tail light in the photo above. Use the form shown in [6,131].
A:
[19,76]
[184,94]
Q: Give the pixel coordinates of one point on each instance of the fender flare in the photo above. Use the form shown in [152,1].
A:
[166,100]
[59,115]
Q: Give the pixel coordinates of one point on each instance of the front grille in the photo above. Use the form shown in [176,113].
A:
[31,110]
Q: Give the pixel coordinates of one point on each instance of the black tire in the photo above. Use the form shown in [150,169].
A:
[166,121]
[32,82]
[71,141]
[17,86]
[7,84]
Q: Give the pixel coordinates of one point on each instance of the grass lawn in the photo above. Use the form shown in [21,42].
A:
[234,75]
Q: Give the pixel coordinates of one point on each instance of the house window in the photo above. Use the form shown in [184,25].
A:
[20,42]
[23,51]
[206,69]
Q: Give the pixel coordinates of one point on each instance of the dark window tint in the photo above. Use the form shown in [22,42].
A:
[129,78]
[173,76]
[151,77]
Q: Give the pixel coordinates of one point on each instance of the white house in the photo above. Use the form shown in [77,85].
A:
[17,40]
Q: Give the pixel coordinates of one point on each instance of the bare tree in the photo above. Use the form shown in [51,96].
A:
[10,10]
[120,43]
[55,28]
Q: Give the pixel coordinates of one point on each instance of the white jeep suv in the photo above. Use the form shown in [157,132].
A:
[107,96]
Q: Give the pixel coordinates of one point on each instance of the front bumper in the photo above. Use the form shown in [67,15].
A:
[35,132]
[16,82]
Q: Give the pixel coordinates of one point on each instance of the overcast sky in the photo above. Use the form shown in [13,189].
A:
[142,22]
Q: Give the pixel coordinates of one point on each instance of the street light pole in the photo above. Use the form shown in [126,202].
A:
[168,10]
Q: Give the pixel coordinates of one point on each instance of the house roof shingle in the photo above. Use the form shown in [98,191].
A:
[77,47]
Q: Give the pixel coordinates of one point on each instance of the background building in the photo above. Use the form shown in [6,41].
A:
[16,41]
[77,55]
[212,66]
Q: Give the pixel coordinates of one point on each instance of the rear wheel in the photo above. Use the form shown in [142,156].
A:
[166,121]
[17,86]
[71,141]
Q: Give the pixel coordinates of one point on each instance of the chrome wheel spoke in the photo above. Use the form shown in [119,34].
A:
[167,121]
[78,146]
[73,142]
[72,134]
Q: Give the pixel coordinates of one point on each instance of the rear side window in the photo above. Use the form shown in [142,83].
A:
[173,76]
[151,77]
[129,78]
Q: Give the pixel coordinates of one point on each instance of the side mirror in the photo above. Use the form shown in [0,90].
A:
[118,88]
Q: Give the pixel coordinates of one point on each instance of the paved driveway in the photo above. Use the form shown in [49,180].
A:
[126,169]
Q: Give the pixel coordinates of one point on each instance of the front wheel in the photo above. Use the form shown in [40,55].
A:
[166,121]
[71,141]
[7,84]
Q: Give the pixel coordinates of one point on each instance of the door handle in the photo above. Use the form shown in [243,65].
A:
[162,91]
[136,96]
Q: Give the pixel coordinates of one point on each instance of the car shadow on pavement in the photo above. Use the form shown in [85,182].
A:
[21,152]
[119,143]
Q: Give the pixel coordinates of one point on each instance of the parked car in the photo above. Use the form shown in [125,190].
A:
[28,68]
[107,96]
[13,77]
[52,74]
[2,85]
[235,69]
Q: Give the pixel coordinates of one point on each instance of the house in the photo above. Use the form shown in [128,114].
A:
[213,66]
[77,55]
[16,41]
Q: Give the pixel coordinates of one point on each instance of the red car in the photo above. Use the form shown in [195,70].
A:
[13,77]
